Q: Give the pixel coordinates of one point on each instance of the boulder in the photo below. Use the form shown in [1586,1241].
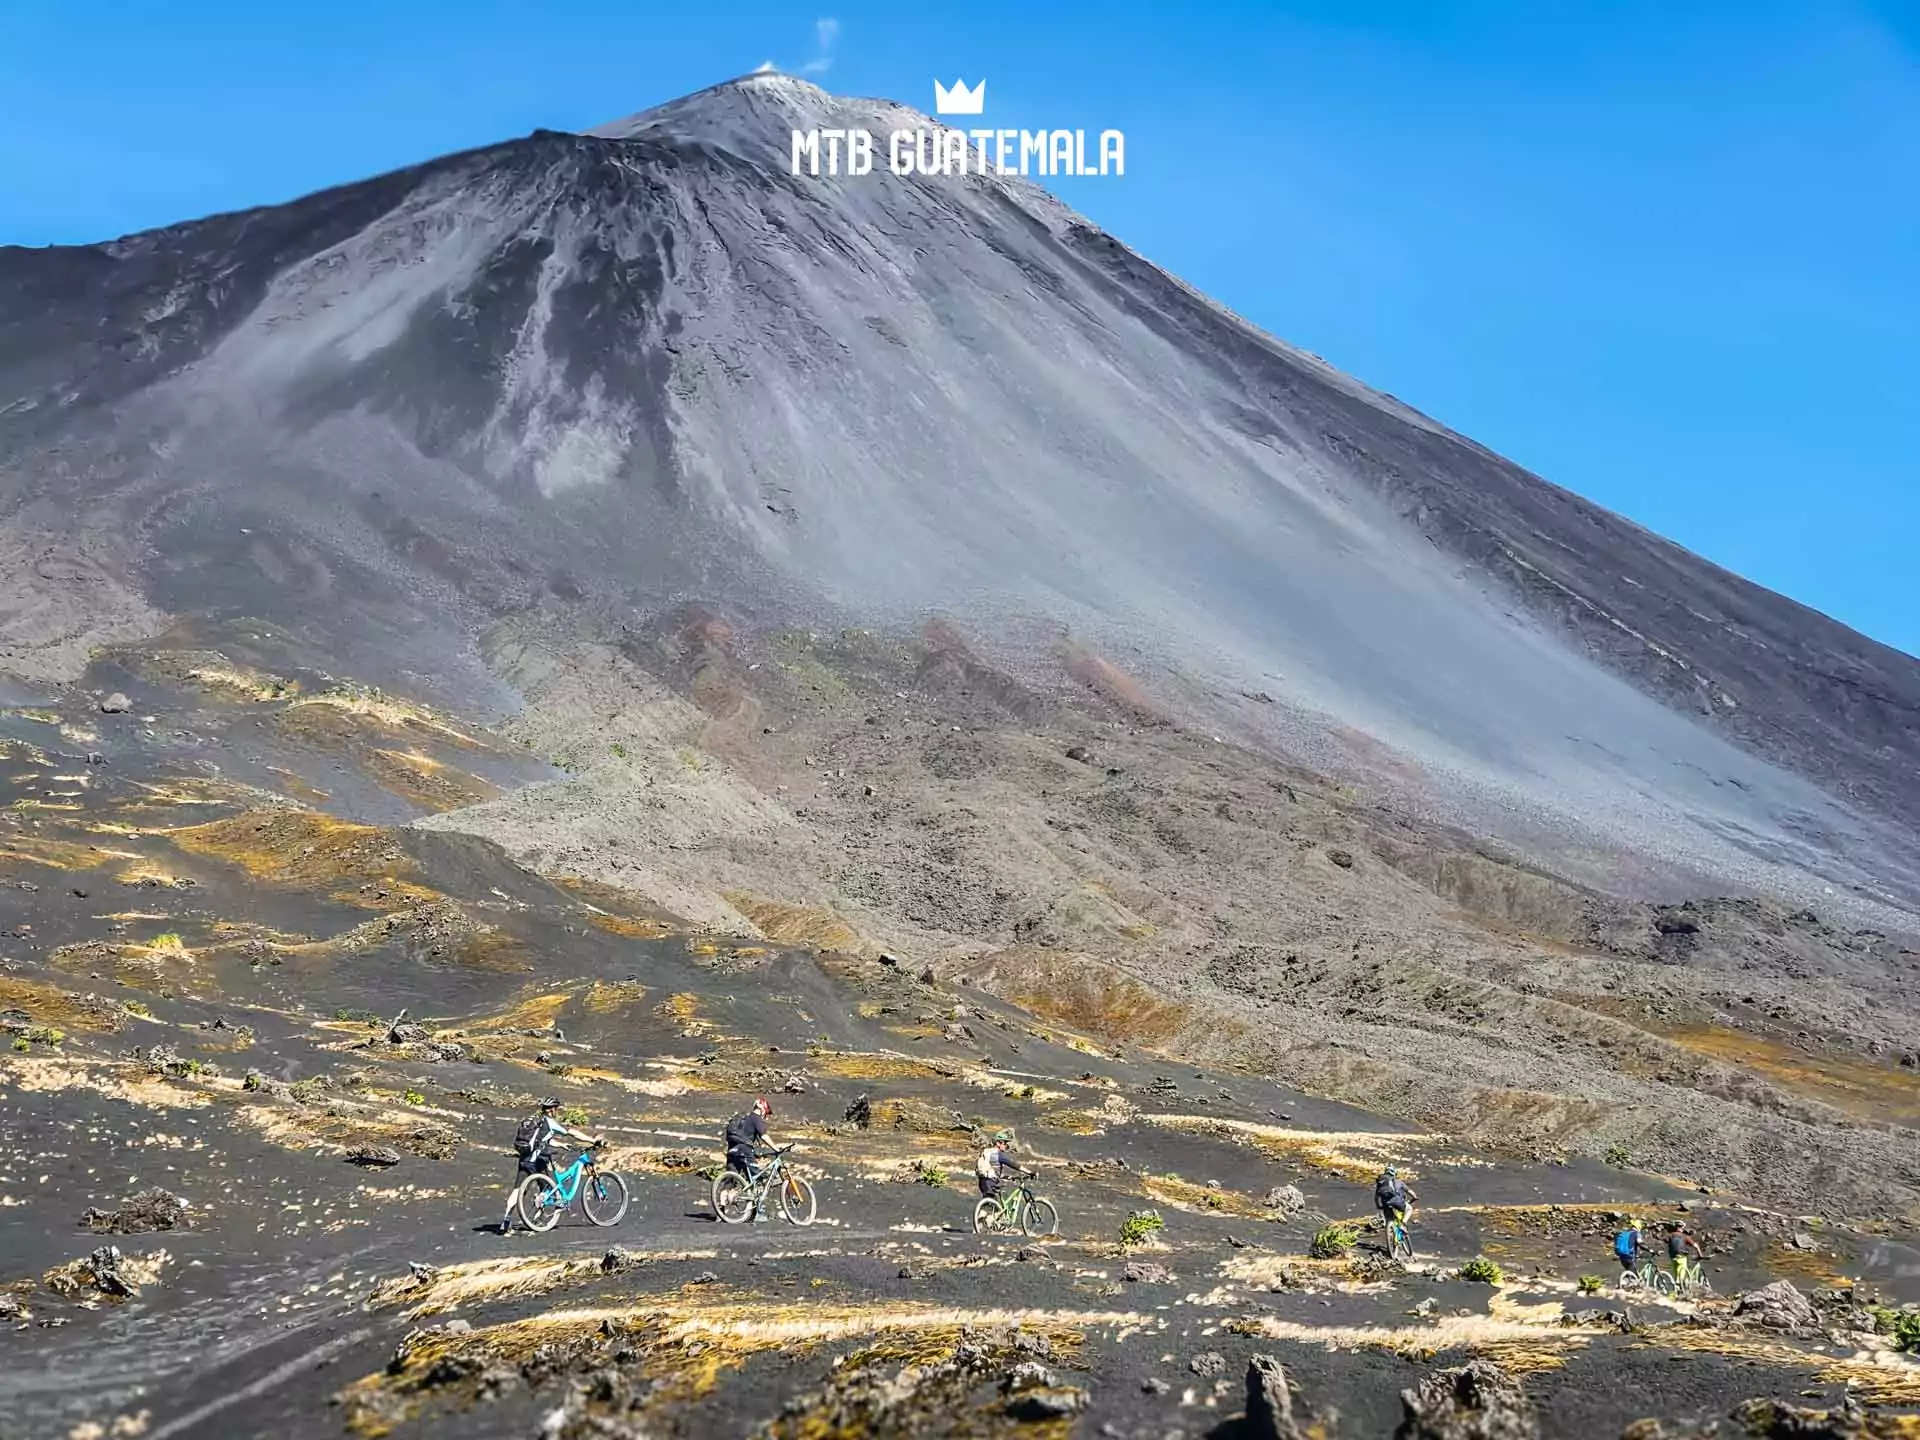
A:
[1779,1306]
[149,1210]
[376,1157]
[115,704]
[1269,1401]
[1212,1362]
[1145,1272]
[1477,1401]
[1286,1201]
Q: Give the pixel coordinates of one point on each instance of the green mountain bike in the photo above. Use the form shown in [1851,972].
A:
[1648,1278]
[737,1198]
[1016,1208]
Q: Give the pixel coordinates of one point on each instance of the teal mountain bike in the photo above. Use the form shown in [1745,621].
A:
[602,1194]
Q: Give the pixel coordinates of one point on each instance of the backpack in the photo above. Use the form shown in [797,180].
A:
[531,1138]
[987,1167]
[1386,1191]
[739,1131]
[1623,1245]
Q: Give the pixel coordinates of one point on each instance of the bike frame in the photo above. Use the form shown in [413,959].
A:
[567,1182]
[1011,1202]
[761,1177]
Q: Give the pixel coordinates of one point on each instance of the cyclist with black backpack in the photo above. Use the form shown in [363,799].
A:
[1392,1198]
[747,1143]
[533,1146]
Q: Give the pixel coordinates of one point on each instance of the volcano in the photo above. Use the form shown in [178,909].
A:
[647,365]
[606,617]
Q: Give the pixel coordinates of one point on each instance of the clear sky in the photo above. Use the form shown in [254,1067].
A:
[1663,252]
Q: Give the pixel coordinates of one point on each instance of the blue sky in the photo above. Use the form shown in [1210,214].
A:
[1667,255]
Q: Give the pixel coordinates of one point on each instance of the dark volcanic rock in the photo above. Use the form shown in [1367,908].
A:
[1269,1401]
[377,1157]
[1779,1306]
[1478,1401]
[149,1210]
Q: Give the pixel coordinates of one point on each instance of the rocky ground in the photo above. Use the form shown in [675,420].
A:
[269,1031]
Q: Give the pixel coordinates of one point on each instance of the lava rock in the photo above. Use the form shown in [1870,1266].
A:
[1286,1200]
[1210,1363]
[115,704]
[376,1157]
[1145,1272]
[1779,1306]
[149,1210]
[1055,1402]
[1478,1401]
[1269,1401]
[1342,858]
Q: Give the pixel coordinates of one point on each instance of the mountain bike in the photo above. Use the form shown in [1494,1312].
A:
[1399,1242]
[1648,1277]
[542,1199]
[1016,1207]
[1692,1283]
[737,1198]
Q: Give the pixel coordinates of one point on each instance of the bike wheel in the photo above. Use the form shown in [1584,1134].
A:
[986,1215]
[732,1197]
[604,1198]
[1399,1244]
[1629,1280]
[797,1200]
[1662,1283]
[539,1203]
[1039,1219]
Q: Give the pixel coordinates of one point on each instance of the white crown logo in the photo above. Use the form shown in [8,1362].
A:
[959,100]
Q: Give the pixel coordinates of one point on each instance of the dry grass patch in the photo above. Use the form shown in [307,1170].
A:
[50,1005]
[785,924]
[298,847]
[426,781]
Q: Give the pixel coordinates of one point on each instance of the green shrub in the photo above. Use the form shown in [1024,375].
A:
[21,1044]
[929,1174]
[619,751]
[1482,1270]
[573,1115]
[137,1007]
[365,1017]
[43,1035]
[1332,1242]
[1617,1157]
[1135,1229]
[414,1097]
[1902,1325]
[1591,1284]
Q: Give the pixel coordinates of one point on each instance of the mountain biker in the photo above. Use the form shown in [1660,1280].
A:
[747,1142]
[1627,1244]
[533,1146]
[1683,1252]
[1392,1197]
[995,1165]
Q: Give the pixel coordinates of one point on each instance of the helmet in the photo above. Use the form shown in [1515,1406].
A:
[1393,1170]
[764,1106]
[550,1103]
[1001,1137]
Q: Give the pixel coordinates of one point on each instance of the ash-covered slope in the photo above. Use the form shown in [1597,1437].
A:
[649,364]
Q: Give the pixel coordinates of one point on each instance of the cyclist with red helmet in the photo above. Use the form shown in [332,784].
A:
[747,1142]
